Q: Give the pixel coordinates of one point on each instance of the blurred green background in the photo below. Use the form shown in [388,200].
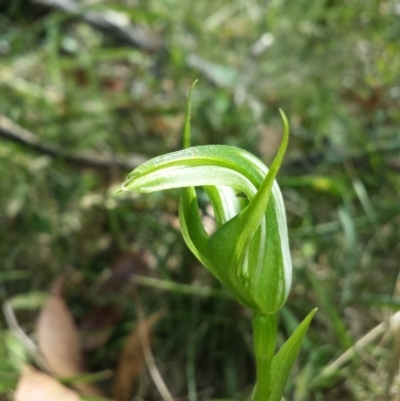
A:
[95,82]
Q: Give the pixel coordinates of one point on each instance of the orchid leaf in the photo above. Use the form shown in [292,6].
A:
[283,361]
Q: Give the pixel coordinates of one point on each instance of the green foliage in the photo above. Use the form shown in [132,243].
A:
[331,65]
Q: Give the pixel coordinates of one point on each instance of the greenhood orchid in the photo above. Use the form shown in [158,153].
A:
[249,251]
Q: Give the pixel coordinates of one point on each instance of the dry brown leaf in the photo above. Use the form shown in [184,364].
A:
[132,359]
[59,341]
[34,385]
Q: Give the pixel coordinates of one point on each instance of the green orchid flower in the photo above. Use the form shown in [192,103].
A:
[249,251]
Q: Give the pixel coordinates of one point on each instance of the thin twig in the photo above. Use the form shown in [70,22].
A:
[148,355]
[23,338]
[11,131]
[360,344]
[110,21]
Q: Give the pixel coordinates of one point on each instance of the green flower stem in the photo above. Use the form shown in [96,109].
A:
[264,333]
